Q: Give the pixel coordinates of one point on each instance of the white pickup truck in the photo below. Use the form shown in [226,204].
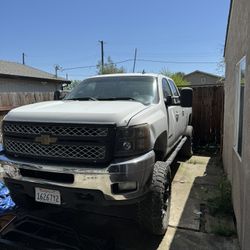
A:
[109,142]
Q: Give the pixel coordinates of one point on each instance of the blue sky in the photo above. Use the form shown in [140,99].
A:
[66,32]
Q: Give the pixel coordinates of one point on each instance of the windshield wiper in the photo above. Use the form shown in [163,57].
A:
[83,98]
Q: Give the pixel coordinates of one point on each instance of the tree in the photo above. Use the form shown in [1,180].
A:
[109,68]
[178,77]
[72,85]
[220,69]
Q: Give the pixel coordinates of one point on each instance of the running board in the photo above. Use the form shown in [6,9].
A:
[171,158]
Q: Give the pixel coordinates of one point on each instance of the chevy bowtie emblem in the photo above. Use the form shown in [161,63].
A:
[46,139]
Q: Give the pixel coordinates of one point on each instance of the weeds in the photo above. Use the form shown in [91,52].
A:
[223,231]
[222,203]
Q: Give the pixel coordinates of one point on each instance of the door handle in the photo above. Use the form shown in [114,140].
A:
[177,115]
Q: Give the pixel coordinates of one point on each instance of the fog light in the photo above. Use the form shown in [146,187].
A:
[124,187]
[129,185]
[127,145]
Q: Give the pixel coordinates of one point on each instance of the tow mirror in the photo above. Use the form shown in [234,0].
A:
[168,100]
[186,97]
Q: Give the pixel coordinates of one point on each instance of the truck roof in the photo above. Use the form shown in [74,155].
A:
[127,74]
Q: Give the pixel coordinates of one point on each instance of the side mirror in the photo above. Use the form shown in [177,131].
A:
[186,97]
[168,100]
[59,95]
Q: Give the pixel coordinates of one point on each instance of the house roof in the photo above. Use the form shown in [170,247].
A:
[201,72]
[14,70]
[228,23]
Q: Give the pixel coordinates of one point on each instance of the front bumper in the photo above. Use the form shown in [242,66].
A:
[92,180]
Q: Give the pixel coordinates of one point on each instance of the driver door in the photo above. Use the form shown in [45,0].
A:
[172,113]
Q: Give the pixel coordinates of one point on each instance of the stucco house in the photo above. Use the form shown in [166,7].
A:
[21,84]
[199,78]
[16,77]
[236,145]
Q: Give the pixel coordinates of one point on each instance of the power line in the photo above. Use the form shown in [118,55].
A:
[80,67]
[94,66]
[175,62]
[141,60]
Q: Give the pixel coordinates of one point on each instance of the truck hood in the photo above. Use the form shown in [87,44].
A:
[109,112]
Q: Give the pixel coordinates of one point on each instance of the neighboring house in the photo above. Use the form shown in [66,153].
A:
[199,79]
[21,84]
[16,77]
[236,145]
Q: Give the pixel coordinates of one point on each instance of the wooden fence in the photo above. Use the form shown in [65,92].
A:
[19,99]
[208,115]
[12,100]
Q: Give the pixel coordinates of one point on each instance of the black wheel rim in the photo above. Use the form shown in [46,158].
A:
[166,203]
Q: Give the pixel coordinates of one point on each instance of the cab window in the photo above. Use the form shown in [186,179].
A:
[166,89]
[175,92]
[173,88]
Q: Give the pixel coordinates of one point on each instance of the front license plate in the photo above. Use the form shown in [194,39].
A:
[48,196]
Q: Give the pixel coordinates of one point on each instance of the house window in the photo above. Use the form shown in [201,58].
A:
[203,80]
[239,107]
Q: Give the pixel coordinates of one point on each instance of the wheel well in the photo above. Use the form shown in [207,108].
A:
[160,146]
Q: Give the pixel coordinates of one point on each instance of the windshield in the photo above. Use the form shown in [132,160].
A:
[142,89]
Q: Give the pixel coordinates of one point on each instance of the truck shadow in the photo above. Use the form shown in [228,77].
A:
[112,228]
[115,226]
[116,230]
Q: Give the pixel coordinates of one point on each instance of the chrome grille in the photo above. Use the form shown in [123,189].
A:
[74,152]
[56,130]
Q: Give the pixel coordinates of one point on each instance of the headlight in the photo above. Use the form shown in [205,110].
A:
[132,140]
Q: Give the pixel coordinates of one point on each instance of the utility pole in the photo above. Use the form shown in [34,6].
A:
[23,57]
[135,60]
[102,56]
[57,67]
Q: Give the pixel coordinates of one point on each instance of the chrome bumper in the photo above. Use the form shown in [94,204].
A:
[138,170]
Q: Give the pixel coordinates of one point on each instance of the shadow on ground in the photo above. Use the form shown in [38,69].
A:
[114,225]
[191,224]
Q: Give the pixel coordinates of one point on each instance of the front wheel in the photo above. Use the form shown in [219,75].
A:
[154,211]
